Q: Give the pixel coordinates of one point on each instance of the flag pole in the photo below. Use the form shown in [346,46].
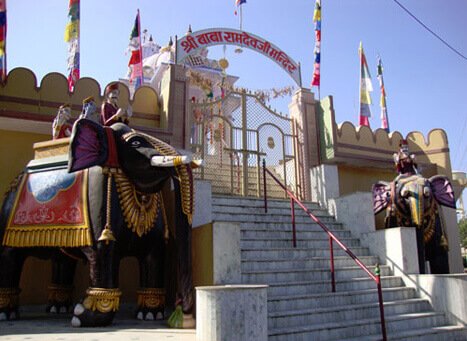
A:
[4,66]
[140,49]
[241,16]
[360,82]
[320,49]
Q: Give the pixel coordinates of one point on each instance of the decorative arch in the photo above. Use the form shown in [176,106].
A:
[195,41]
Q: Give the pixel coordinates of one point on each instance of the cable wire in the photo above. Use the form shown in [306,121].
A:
[429,30]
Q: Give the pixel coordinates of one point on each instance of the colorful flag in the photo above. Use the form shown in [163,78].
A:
[238,3]
[382,102]
[136,61]
[365,88]
[3,71]
[72,38]
[317,51]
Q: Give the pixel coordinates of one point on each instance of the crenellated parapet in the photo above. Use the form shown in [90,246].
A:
[23,98]
[360,146]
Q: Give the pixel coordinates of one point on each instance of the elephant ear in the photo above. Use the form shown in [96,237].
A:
[380,196]
[88,145]
[443,191]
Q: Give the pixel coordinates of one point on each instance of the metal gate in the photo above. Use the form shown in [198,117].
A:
[234,135]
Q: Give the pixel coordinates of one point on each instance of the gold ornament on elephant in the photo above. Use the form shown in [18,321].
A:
[9,297]
[139,209]
[102,300]
[151,298]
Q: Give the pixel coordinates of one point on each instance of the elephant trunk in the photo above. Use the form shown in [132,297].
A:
[416,203]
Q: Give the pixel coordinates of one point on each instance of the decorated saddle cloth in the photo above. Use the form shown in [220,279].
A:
[50,209]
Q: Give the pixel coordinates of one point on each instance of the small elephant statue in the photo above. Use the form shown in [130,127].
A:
[104,204]
[412,200]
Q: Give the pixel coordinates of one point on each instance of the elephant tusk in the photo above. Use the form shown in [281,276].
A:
[170,161]
[196,163]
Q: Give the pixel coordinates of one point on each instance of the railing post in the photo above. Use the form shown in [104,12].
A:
[264,189]
[331,253]
[380,298]
[294,235]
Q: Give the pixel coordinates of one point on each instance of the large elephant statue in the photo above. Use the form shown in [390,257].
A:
[104,204]
[412,200]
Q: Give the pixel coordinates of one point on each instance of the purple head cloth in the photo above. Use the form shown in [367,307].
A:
[443,191]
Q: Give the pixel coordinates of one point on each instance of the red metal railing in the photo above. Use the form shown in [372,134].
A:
[332,238]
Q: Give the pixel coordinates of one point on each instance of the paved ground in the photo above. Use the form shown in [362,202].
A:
[37,325]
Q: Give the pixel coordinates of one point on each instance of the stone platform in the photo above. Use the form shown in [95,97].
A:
[36,325]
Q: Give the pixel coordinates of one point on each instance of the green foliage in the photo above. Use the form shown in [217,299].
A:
[176,319]
[463,231]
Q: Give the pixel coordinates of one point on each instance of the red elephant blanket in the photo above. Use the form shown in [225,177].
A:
[50,209]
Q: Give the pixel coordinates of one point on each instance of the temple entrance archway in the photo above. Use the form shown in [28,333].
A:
[193,42]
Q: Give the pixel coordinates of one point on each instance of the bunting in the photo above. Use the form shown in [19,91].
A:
[3,70]
[365,88]
[136,61]
[382,102]
[72,38]
[317,51]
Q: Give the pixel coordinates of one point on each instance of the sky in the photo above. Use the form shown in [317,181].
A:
[425,81]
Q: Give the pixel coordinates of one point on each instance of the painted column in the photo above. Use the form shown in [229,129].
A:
[179,117]
[303,111]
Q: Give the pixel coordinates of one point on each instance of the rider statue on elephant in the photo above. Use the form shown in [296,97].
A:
[412,200]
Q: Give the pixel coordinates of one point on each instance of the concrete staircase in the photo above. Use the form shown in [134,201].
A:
[229,181]
[301,305]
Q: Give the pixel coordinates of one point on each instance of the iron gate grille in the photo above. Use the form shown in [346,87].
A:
[234,135]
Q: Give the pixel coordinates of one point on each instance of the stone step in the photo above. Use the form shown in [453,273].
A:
[273,211]
[287,234]
[338,298]
[308,317]
[309,288]
[287,227]
[295,253]
[259,218]
[436,333]
[219,200]
[307,263]
[344,330]
[301,243]
[296,275]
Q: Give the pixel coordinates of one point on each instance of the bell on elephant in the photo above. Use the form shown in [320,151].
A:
[106,204]
[412,200]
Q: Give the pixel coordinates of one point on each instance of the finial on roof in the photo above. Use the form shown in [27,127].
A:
[171,42]
[150,37]
[189,30]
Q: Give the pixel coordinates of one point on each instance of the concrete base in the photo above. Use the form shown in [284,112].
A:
[446,293]
[395,247]
[231,312]
[324,183]
[226,253]
[355,211]
[203,203]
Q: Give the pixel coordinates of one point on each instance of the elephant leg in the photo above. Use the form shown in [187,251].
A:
[11,265]
[151,296]
[421,250]
[437,251]
[60,291]
[184,259]
[102,298]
